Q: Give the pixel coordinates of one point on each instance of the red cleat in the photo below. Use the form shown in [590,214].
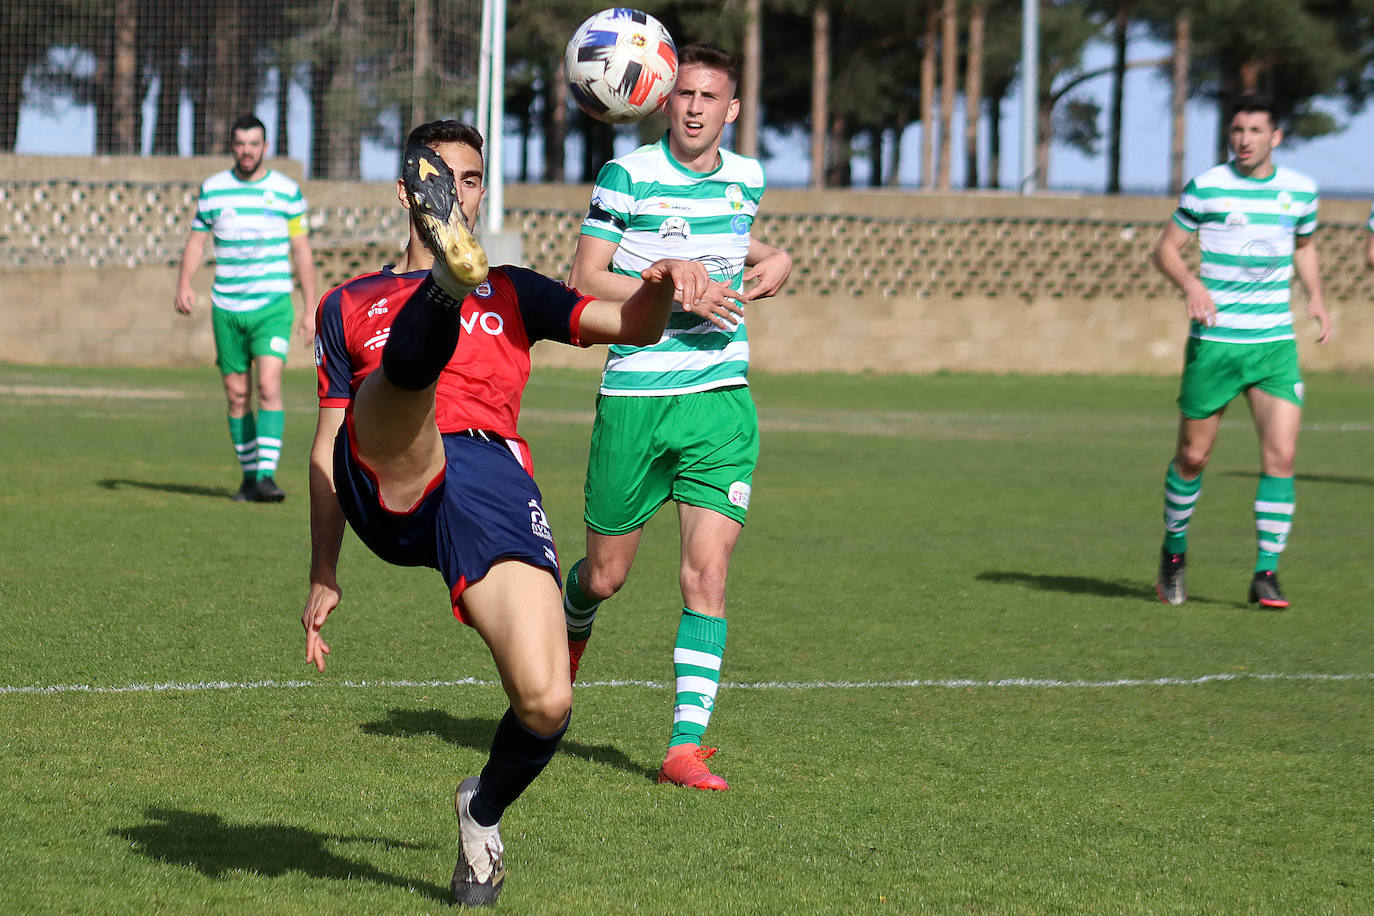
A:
[685,766]
[575,649]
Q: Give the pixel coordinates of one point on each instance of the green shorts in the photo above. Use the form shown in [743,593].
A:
[699,449]
[241,337]
[1215,372]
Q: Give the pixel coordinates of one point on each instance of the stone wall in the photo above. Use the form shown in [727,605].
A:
[883,281]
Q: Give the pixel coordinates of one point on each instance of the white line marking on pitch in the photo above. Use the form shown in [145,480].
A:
[948,684]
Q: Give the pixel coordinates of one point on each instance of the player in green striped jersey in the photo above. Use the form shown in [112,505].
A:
[674,420]
[1255,223]
[257,218]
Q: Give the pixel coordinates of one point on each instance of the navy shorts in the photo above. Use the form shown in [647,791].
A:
[484,508]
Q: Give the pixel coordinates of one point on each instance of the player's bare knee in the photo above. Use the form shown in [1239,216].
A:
[545,712]
[704,585]
[1189,462]
[602,581]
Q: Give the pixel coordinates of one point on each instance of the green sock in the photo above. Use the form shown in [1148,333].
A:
[1274,504]
[696,665]
[579,611]
[1180,496]
[243,433]
[271,424]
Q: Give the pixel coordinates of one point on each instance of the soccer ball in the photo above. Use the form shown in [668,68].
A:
[620,64]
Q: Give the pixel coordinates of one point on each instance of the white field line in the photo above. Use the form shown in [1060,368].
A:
[947,684]
[48,391]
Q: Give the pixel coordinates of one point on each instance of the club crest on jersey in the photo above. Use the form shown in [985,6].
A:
[735,194]
[675,227]
[1284,200]
[1237,221]
[483,290]
[739,494]
[268,197]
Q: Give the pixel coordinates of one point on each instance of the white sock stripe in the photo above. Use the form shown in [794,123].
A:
[1181,499]
[694,714]
[1271,546]
[1273,525]
[246,449]
[1177,515]
[1274,508]
[697,659]
[691,683]
[269,441]
[949,684]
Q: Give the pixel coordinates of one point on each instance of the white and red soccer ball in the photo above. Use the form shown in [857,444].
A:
[620,65]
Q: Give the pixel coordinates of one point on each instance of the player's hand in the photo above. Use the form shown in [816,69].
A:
[1201,308]
[771,273]
[323,598]
[1316,310]
[308,328]
[185,301]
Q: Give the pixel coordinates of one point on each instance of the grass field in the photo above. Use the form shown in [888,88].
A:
[950,687]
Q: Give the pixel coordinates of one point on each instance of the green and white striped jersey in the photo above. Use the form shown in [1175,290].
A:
[653,208]
[253,223]
[1246,229]
[1370,224]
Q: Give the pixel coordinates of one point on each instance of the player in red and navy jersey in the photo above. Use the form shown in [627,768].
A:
[421,369]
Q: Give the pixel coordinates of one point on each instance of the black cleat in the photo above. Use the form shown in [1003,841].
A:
[247,492]
[1264,590]
[1169,583]
[265,490]
[480,872]
[460,264]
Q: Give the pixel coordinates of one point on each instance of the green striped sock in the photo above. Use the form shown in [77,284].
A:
[1180,496]
[696,665]
[271,424]
[243,433]
[579,611]
[1274,503]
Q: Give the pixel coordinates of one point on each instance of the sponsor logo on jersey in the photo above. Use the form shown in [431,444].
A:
[740,225]
[1284,200]
[675,227]
[539,522]
[1237,221]
[490,322]
[739,494]
[377,308]
[378,340]
[279,345]
[483,290]
[735,194]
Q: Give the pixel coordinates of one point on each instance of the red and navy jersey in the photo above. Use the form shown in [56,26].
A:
[480,388]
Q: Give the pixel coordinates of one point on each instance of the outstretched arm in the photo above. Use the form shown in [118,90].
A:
[326,536]
[591,274]
[640,318]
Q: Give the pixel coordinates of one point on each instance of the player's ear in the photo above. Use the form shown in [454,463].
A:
[1278,136]
[401,193]
[732,112]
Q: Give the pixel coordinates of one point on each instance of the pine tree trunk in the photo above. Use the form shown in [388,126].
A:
[949,59]
[928,96]
[973,92]
[1123,12]
[1183,51]
[751,81]
[820,92]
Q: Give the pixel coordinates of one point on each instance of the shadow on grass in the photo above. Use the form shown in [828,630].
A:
[214,848]
[1083,585]
[1311,478]
[476,734]
[114,483]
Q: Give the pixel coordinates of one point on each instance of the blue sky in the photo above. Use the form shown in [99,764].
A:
[1341,164]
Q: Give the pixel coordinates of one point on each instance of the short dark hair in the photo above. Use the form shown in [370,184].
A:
[445,131]
[1252,103]
[248,122]
[713,57]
